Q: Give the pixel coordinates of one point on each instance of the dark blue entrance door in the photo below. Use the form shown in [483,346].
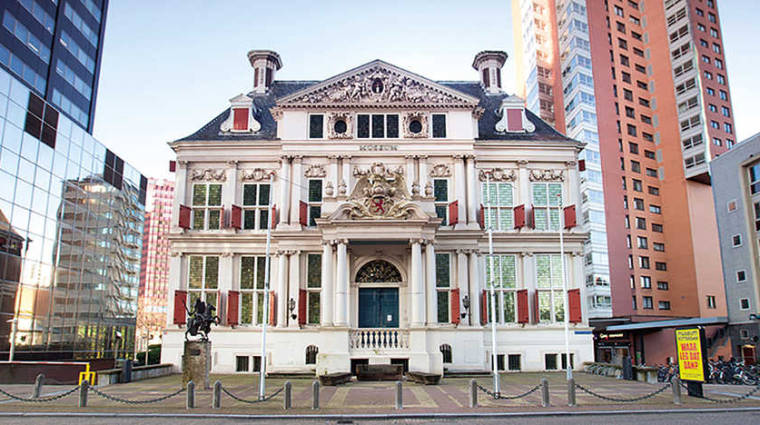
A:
[378,307]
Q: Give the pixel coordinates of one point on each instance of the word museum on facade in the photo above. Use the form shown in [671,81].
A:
[379,252]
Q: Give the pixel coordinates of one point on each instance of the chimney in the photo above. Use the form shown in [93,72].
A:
[489,64]
[264,63]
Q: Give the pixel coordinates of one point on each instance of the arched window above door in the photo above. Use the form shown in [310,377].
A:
[378,271]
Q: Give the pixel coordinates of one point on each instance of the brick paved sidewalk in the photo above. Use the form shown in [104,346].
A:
[372,397]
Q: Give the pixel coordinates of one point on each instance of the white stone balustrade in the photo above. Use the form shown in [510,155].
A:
[379,339]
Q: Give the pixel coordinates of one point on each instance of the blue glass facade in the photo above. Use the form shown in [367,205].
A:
[71,226]
[54,47]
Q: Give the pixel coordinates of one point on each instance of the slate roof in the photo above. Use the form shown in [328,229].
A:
[486,125]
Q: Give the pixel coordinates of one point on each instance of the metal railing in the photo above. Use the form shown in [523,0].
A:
[382,339]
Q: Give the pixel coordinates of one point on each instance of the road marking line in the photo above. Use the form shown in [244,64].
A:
[423,397]
[454,400]
[339,398]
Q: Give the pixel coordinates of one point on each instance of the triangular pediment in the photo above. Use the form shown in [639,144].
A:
[378,84]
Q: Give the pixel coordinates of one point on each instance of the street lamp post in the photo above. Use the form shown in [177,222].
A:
[494,365]
[564,287]
[265,318]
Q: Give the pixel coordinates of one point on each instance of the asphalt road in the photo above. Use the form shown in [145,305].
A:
[681,418]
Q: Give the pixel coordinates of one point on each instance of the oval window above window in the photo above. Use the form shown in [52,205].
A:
[415,126]
[340,126]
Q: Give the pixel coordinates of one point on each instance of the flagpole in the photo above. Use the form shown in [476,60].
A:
[493,295]
[265,318]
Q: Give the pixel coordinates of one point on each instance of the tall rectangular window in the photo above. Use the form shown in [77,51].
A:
[252,273]
[207,206]
[203,280]
[547,197]
[443,285]
[316,126]
[551,300]
[498,203]
[504,282]
[313,287]
[439,125]
[441,194]
[255,206]
[315,201]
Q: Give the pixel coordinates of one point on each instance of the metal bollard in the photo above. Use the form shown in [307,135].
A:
[315,395]
[473,393]
[571,392]
[216,402]
[675,383]
[83,389]
[38,386]
[190,395]
[287,401]
[399,396]
[545,393]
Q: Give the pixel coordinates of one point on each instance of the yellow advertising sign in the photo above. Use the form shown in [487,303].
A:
[690,359]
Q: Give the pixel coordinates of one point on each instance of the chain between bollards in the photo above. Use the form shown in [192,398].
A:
[38,386]
[216,401]
[399,396]
[83,388]
[545,393]
[571,392]
[190,395]
[473,393]
[287,400]
[315,395]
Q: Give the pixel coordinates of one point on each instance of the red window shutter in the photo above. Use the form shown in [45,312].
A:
[535,307]
[570,217]
[233,303]
[304,213]
[172,166]
[236,215]
[519,216]
[531,219]
[273,211]
[522,306]
[582,165]
[184,216]
[180,316]
[240,119]
[574,305]
[514,119]
[455,306]
[482,217]
[272,308]
[453,213]
[484,307]
[301,306]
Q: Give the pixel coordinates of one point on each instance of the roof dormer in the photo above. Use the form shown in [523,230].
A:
[241,118]
[265,63]
[489,64]
[513,117]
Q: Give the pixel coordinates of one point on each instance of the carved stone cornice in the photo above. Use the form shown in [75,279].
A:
[181,163]
[314,171]
[208,174]
[521,163]
[458,156]
[257,174]
[440,170]
[546,175]
[571,164]
[276,113]
[498,175]
[233,163]
[226,254]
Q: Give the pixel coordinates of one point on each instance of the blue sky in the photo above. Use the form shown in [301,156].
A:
[170,66]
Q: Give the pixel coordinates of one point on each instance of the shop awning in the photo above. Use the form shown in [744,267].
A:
[676,323]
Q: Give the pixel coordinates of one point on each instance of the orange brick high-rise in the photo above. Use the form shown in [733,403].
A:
[645,85]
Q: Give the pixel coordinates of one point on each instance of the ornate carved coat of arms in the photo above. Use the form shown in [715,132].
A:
[380,193]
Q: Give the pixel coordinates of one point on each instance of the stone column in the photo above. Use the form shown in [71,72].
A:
[459,184]
[344,187]
[327,293]
[180,190]
[529,277]
[462,275]
[424,177]
[297,190]
[410,176]
[230,192]
[282,289]
[430,275]
[284,181]
[333,173]
[341,287]
[573,190]
[294,284]
[524,186]
[416,286]
[472,188]
[474,289]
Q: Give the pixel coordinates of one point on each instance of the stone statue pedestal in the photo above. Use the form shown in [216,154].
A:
[196,364]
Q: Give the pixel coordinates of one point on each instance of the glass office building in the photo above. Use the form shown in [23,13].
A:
[71,226]
[55,47]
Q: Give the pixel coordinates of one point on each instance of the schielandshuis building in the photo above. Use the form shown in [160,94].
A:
[380,202]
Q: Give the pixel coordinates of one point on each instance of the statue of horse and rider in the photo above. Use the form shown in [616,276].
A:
[200,319]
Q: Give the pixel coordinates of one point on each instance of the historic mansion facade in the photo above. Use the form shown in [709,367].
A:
[377,180]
